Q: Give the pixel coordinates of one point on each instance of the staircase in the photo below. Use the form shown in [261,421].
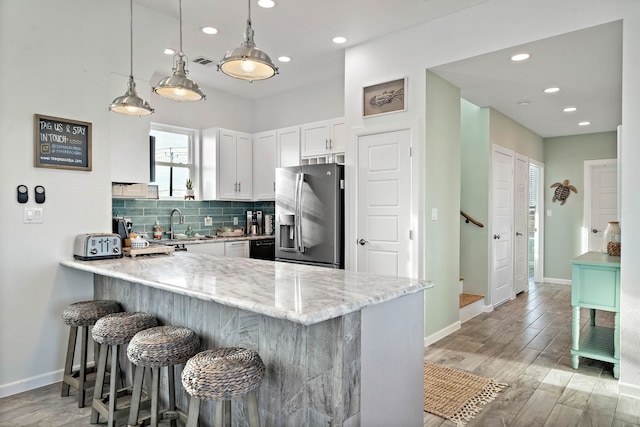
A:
[470,304]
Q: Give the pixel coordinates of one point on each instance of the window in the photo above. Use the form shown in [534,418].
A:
[172,163]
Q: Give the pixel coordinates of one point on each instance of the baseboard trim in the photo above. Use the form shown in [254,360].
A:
[472,310]
[30,383]
[554,281]
[630,390]
[441,333]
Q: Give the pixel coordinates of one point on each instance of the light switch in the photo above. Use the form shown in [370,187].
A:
[548,212]
[33,215]
[434,214]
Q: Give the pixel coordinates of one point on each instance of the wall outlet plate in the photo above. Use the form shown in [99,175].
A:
[208,221]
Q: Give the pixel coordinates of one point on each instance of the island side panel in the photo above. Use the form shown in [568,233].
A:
[313,372]
[392,362]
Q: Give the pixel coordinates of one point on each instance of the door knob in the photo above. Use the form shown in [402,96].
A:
[363,242]
[594,231]
[496,236]
[518,233]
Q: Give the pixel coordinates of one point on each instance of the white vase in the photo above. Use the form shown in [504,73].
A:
[611,234]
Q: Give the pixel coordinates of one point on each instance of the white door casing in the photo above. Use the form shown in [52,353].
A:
[384,203]
[521,219]
[538,226]
[600,199]
[500,238]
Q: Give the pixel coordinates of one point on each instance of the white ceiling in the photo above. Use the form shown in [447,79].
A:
[585,64]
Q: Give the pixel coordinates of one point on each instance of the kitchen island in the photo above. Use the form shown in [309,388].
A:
[341,348]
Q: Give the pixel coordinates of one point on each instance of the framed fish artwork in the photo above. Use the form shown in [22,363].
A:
[382,98]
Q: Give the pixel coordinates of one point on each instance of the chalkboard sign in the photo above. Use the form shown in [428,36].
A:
[62,143]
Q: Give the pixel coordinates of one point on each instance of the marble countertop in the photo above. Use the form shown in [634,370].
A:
[300,293]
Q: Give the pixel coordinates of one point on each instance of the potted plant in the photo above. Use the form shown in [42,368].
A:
[189,185]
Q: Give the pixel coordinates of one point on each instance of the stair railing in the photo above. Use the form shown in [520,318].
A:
[469,218]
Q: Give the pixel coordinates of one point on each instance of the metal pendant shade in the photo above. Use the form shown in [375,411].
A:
[130,103]
[178,86]
[247,62]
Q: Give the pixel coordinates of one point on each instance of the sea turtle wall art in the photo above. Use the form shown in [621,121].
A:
[562,191]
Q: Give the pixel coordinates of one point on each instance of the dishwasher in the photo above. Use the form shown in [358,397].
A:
[262,249]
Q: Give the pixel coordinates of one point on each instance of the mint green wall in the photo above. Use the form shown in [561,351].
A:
[474,196]
[564,159]
[512,135]
[442,176]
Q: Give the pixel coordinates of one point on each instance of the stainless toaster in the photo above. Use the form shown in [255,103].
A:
[97,246]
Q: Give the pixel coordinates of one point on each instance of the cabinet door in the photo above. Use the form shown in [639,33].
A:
[315,139]
[208,178]
[206,248]
[264,165]
[338,135]
[244,166]
[238,249]
[227,182]
[289,147]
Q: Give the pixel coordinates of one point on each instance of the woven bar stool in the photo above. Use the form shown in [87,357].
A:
[222,375]
[111,332]
[153,349]
[82,315]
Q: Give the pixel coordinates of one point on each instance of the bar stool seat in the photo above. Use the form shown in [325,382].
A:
[155,348]
[81,315]
[221,375]
[111,332]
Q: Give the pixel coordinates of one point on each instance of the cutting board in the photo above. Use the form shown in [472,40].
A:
[149,250]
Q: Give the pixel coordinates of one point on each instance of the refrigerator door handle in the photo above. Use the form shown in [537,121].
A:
[298,220]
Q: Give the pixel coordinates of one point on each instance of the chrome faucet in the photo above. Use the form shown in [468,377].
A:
[171,232]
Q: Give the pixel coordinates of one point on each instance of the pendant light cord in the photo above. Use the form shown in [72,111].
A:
[131,33]
[180,53]
[249,19]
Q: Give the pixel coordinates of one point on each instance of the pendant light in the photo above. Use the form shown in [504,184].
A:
[130,103]
[178,86]
[247,62]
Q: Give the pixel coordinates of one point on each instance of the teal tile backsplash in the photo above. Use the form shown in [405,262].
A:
[144,213]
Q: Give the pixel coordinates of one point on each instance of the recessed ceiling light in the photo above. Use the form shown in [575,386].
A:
[284,59]
[339,40]
[585,123]
[520,57]
[569,109]
[267,4]
[523,103]
[169,51]
[552,90]
[209,30]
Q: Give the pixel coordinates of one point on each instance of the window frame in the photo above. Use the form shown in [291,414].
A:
[191,164]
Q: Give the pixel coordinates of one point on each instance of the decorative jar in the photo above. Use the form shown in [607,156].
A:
[611,239]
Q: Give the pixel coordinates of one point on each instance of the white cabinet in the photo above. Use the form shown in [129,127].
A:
[238,248]
[206,248]
[323,138]
[264,165]
[288,147]
[227,165]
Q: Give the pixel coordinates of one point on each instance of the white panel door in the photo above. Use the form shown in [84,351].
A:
[264,166]
[502,226]
[521,277]
[604,201]
[244,166]
[227,182]
[384,204]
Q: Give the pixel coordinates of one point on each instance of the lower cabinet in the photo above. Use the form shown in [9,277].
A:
[236,248]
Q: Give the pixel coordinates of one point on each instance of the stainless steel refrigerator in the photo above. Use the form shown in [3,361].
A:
[310,214]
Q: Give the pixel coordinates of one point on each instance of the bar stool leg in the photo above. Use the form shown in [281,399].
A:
[194,412]
[97,391]
[155,391]
[136,395]
[252,403]
[113,392]
[172,392]
[68,363]
[82,380]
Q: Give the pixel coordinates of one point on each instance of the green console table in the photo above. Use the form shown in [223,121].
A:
[596,285]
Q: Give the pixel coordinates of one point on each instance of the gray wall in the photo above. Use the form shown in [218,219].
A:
[564,159]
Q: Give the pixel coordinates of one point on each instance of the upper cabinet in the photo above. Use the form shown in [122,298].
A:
[264,165]
[288,148]
[323,138]
[227,165]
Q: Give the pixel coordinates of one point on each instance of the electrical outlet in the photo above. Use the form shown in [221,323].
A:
[208,221]
[235,220]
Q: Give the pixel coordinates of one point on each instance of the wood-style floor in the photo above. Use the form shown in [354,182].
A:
[525,343]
